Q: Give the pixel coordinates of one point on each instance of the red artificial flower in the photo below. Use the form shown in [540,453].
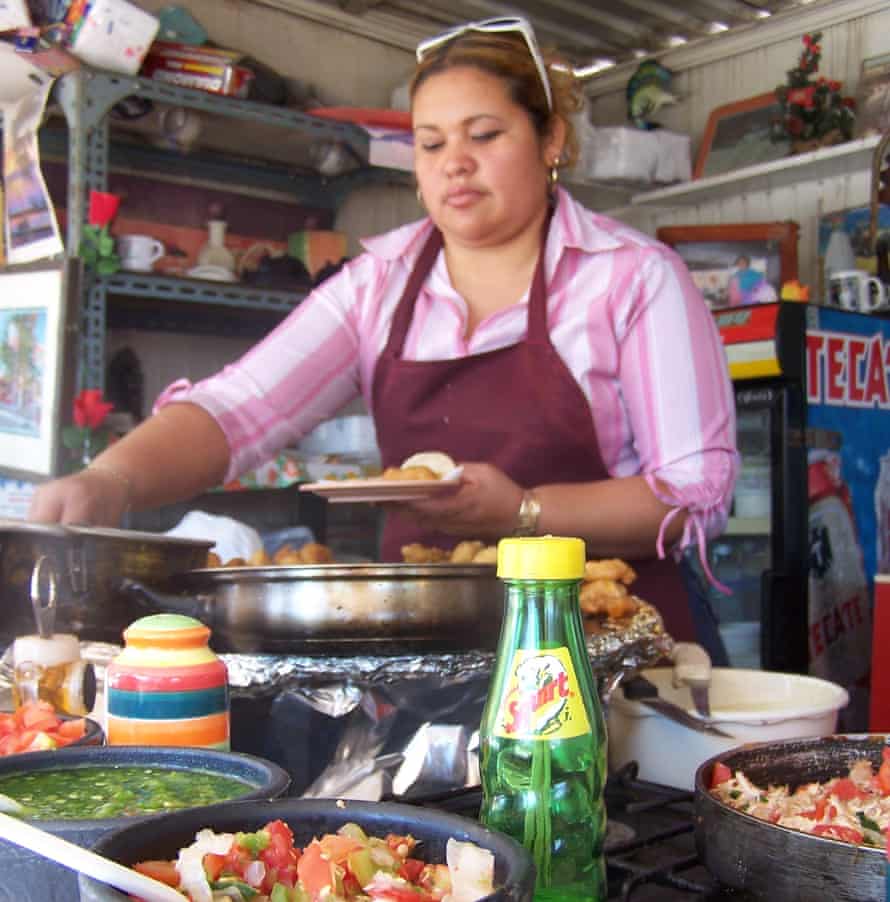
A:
[103,207]
[849,102]
[802,96]
[794,127]
[90,410]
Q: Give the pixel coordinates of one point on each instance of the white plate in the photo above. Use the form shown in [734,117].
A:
[374,490]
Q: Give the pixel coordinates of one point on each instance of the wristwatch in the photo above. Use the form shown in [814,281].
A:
[529,512]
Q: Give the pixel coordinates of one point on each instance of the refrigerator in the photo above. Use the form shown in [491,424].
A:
[810,522]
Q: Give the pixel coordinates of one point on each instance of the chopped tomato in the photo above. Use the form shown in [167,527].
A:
[164,871]
[314,870]
[72,729]
[884,774]
[405,843]
[411,869]
[720,774]
[845,789]
[337,847]
[817,813]
[838,831]
[213,865]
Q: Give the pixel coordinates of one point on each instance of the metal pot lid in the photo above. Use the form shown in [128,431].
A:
[66,531]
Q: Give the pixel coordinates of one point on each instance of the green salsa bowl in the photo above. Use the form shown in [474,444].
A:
[162,777]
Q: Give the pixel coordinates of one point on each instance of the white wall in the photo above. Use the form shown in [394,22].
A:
[757,71]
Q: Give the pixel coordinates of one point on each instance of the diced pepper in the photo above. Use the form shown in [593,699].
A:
[720,774]
[163,871]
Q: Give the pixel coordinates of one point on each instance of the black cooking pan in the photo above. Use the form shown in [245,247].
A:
[775,863]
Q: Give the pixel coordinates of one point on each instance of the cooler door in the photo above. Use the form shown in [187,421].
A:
[761,556]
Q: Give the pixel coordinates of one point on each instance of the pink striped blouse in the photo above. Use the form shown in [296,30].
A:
[623,313]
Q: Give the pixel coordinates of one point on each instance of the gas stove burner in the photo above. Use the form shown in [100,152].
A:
[617,834]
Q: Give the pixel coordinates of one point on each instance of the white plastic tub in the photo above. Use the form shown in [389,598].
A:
[750,705]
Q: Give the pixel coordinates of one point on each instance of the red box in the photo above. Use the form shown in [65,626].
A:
[879,712]
[205,68]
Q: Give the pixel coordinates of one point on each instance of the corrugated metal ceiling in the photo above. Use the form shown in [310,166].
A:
[586,32]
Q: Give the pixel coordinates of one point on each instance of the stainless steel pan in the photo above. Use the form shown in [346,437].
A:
[341,608]
[89,564]
[772,862]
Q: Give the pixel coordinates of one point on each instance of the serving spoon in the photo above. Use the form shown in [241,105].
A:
[26,835]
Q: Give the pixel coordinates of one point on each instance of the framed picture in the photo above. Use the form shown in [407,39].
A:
[873,100]
[37,366]
[737,265]
[740,134]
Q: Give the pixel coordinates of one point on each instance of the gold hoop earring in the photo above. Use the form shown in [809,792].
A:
[554,172]
[419,196]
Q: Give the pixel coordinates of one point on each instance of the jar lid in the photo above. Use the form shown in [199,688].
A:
[541,557]
[169,630]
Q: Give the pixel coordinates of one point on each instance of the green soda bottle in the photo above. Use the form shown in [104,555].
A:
[543,736]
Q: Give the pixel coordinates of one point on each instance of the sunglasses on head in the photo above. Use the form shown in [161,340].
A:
[505,24]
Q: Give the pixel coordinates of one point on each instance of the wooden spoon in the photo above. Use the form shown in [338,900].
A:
[26,835]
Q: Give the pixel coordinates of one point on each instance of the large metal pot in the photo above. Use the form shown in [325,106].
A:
[341,608]
[88,564]
[775,863]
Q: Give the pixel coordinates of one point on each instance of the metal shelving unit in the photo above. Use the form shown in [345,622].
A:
[86,98]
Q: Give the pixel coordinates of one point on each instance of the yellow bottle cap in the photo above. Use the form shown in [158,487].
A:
[541,557]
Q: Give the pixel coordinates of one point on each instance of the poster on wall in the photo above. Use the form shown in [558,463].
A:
[30,226]
[36,368]
[848,401]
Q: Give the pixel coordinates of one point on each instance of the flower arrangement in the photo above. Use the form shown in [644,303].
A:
[97,245]
[814,112]
[89,435]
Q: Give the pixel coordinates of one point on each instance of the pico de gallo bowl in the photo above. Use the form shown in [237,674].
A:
[304,850]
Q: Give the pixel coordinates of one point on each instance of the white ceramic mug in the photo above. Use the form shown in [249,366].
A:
[139,252]
[856,290]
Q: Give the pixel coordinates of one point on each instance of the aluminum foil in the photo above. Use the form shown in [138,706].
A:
[403,725]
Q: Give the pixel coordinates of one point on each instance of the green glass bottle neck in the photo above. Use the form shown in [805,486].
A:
[542,613]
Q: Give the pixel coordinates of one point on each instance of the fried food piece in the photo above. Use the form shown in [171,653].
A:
[606,597]
[315,553]
[486,555]
[611,568]
[213,559]
[420,472]
[286,556]
[464,552]
[235,562]
[259,559]
[415,553]
[438,461]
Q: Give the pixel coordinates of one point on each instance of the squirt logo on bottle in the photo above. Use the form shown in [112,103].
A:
[542,700]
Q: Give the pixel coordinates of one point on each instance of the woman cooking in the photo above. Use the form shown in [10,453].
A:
[565,360]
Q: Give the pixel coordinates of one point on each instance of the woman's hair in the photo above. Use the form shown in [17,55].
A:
[507,56]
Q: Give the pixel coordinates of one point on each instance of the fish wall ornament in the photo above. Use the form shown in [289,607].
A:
[649,89]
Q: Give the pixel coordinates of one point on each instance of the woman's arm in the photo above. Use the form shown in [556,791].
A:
[615,517]
[172,456]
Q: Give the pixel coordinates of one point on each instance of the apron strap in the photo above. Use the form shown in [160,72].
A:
[401,320]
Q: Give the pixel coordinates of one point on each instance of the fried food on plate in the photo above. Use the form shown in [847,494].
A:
[213,559]
[605,597]
[287,555]
[610,568]
[415,553]
[405,473]
[438,462]
[464,552]
[486,555]
[316,553]
[259,559]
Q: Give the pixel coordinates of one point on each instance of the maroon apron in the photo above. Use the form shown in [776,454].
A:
[518,408]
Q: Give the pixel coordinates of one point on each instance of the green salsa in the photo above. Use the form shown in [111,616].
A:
[94,792]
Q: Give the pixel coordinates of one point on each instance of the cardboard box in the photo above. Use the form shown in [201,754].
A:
[211,69]
[110,34]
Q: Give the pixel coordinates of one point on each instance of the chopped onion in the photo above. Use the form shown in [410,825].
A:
[471,869]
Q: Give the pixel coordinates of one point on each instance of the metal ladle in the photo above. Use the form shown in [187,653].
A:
[44,608]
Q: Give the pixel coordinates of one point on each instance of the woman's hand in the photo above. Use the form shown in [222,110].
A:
[92,497]
[485,505]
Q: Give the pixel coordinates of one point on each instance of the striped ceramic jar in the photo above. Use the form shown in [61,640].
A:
[167,687]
